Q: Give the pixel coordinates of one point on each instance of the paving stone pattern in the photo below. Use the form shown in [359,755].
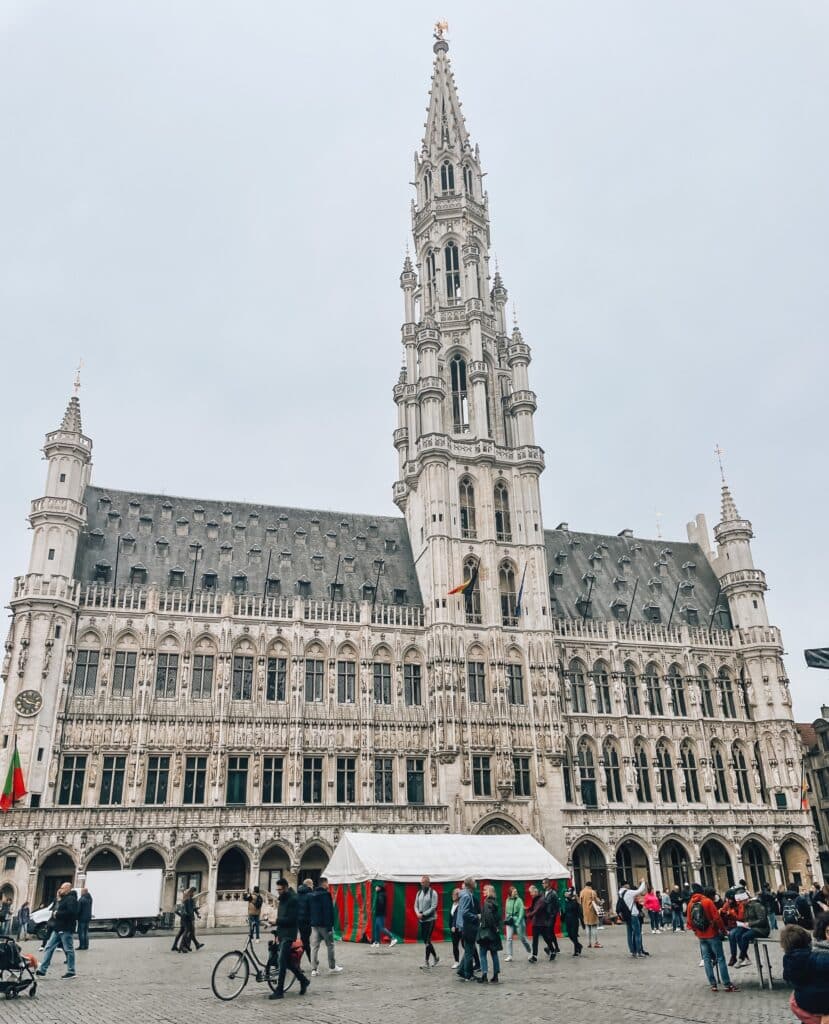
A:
[139,980]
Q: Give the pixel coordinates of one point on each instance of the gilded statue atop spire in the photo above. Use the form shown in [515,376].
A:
[440,28]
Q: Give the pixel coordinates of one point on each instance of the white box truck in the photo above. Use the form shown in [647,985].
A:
[122,901]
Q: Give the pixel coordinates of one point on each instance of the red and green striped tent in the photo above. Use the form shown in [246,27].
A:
[362,861]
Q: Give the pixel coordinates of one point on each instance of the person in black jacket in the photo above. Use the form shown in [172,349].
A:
[187,929]
[806,970]
[84,917]
[322,927]
[380,928]
[65,917]
[303,899]
[285,932]
[573,917]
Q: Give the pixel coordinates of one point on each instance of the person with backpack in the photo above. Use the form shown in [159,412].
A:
[677,923]
[255,902]
[426,912]
[65,920]
[796,908]
[630,912]
[705,922]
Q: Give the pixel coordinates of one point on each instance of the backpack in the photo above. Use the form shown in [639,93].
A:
[622,909]
[791,915]
[699,922]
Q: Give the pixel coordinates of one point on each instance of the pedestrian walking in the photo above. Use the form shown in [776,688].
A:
[380,928]
[322,927]
[653,905]
[84,917]
[677,918]
[550,894]
[705,921]
[515,917]
[426,911]
[285,932]
[539,914]
[489,935]
[455,929]
[666,909]
[589,900]
[65,919]
[23,917]
[468,917]
[769,901]
[303,898]
[573,918]
[188,912]
[630,912]
[255,902]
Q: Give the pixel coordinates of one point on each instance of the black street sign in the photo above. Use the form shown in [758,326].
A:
[818,657]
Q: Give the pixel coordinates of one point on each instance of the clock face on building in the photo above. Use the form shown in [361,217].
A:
[28,703]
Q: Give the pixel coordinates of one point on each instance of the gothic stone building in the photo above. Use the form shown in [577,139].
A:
[221,689]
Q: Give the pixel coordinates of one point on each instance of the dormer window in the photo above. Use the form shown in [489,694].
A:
[620,583]
[389,545]
[303,588]
[182,526]
[128,543]
[316,562]
[595,560]
[561,557]
[162,546]
[690,569]
[653,613]
[575,543]
[722,618]
[556,579]
[209,580]
[399,595]
[634,548]
[691,616]
[620,610]
[447,176]
[198,514]
[102,572]
[368,591]
[167,510]
[272,587]
[138,575]
[176,577]
[588,578]
[655,585]
[584,607]
[686,587]
[379,564]
[337,590]
[239,583]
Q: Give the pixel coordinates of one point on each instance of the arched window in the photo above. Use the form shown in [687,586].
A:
[506,586]
[460,402]
[741,774]
[653,691]
[578,690]
[452,270]
[431,279]
[676,690]
[631,690]
[761,774]
[612,772]
[643,774]
[705,695]
[467,179]
[720,778]
[472,596]
[729,709]
[587,775]
[467,502]
[601,684]
[427,185]
[503,524]
[665,773]
[690,773]
[447,176]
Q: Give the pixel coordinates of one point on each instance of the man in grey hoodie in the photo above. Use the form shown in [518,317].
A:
[426,911]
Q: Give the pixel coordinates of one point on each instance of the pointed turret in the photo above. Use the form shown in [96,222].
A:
[71,421]
[445,125]
[741,583]
[729,511]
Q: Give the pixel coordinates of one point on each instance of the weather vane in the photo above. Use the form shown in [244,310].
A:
[441,27]
[77,384]
[719,453]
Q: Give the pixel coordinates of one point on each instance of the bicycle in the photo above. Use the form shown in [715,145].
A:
[233,970]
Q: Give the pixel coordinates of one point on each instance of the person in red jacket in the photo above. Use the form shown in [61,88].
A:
[705,922]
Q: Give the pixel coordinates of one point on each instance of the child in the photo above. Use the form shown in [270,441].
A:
[807,971]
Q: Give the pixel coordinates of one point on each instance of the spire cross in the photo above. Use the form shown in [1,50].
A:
[76,386]
[719,453]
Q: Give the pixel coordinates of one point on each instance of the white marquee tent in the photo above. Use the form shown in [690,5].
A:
[363,856]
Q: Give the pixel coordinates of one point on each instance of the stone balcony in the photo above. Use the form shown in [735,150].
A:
[36,585]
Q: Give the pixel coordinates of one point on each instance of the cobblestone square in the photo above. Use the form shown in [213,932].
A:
[140,980]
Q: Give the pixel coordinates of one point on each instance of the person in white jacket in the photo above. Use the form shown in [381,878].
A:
[633,919]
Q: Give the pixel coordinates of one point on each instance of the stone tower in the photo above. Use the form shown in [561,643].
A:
[469,464]
[44,604]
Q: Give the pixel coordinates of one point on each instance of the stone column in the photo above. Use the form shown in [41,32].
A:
[210,906]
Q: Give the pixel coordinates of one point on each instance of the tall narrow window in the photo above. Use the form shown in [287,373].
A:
[411,685]
[312,780]
[587,776]
[112,780]
[242,677]
[123,675]
[631,690]
[741,775]
[415,792]
[643,775]
[578,690]
[476,681]
[567,774]
[346,780]
[447,176]
[86,673]
[383,780]
[521,776]
[761,774]
[431,279]
[467,179]
[653,691]
[314,676]
[345,682]
[506,586]
[158,778]
[612,773]
[202,681]
[676,692]
[382,682]
[272,772]
[705,695]
[427,186]
[481,775]
[690,773]
[467,506]
[72,776]
[166,673]
[195,779]
[665,774]
[515,683]
[729,709]
[452,272]
[472,595]
[503,522]
[601,686]
[276,679]
[460,402]
[720,778]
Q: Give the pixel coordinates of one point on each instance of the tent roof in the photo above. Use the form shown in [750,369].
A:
[364,856]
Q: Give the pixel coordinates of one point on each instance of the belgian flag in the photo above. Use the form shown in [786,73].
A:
[15,788]
[467,588]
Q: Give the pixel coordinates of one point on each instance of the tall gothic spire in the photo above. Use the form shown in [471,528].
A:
[71,421]
[445,125]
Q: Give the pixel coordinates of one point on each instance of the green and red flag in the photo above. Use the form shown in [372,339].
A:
[15,787]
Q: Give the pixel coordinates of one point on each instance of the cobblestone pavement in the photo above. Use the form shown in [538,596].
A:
[140,980]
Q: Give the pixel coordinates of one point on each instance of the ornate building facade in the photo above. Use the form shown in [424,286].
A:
[220,689]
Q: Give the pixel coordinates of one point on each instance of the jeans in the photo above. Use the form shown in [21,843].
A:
[496,966]
[319,935]
[592,934]
[253,926]
[634,929]
[655,919]
[469,955]
[285,965]
[63,939]
[520,929]
[772,920]
[83,934]
[677,922]
[745,936]
[426,929]
[380,929]
[711,950]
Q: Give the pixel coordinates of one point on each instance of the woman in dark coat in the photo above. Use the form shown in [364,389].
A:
[489,934]
[573,917]
[187,927]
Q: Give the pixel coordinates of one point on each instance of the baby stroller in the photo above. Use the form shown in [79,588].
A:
[16,969]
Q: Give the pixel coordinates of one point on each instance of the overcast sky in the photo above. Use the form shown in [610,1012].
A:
[209,202]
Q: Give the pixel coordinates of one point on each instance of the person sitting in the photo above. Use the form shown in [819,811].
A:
[807,971]
[754,925]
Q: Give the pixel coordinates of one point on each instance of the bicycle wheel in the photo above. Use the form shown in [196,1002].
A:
[272,974]
[230,975]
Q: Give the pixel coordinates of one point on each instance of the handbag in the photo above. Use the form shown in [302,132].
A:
[510,922]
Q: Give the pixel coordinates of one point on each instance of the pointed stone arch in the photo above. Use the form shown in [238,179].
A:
[497,823]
